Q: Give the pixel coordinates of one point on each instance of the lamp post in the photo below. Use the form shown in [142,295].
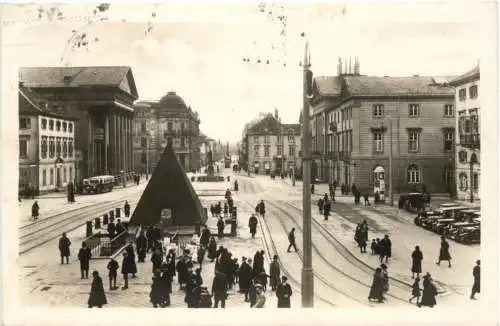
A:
[307,270]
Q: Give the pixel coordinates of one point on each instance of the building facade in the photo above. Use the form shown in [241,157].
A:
[468,145]
[46,145]
[357,120]
[169,120]
[271,146]
[101,99]
[207,145]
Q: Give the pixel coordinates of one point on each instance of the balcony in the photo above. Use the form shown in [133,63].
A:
[472,141]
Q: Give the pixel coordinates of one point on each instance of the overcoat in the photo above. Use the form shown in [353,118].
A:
[97,295]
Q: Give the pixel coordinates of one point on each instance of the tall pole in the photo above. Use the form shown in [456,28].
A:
[307,271]
[471,178]
[147,157]
[390,162]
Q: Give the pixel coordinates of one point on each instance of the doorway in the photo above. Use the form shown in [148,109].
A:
[379,181]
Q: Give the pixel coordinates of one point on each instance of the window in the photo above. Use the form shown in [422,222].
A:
[24,123]
[70,127]
[169,126]
[279,139]
[413,174]
[64,175]
[44,177]
[448,110]
[448,140]
[378,110]
[70,148]
[70,173]
[266,150]
[291,151]
[266,139]
[462,157]
[413,110]
[256,150]
[463,182]
[350,140]
[256,139]
[143,126]
[23,148]
[52,147]
[279,150]
[44,124]
[58,147]
[51,176]
[51,124]
[378,142]
[182,126]
[43,148]
[58,125]
[144,158]
[475,182]
[65,126]
[473,91]
[474,122]
[183,142]
[65,148]
[291,138]
[462,94]
[413,140]
[144,142]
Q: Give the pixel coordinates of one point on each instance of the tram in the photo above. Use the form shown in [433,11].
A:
[98,184]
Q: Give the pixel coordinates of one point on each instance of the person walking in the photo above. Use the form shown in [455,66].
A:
[262,208]
[429,292]
[245,277]
[200,255]
[275,273]
[212,249]
[385,278]
[126,269]
[444,252]
[84,256]
[112,274]
[205,237]
[64,248]
[291,240]
[35,210]
[415,291]
[284,292]
[97,297]
[252,225]
[219,289]
[416,266]
[385,248]
[476,287]
[141,245]
[220,227]
[377,288]
[126,209]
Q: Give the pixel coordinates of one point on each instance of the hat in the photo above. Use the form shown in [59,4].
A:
[275,257]
[284,278]
[243,258]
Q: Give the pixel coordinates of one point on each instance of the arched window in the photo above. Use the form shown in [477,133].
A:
[463,182]
[413,174]
[44,147]
[462,157]
[473,158]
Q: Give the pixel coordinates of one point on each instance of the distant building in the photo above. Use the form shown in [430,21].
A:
[468,145]
[169,120]
[350,124]
[46,145]
[271,146]
[207,145]
[101,99]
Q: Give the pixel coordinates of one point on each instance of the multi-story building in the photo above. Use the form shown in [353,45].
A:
[101,99]
[46,144]
[468,146]
[270,145]
[169,120]
[207,145]
[357,120]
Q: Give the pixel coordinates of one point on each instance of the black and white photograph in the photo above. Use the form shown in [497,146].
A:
[244,155]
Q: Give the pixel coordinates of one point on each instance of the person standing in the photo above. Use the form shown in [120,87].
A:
[200,255]
[141,245]
[416,267]
[476,287]
[275,273]
[262,208]
[245,276]
[429,292]
[220,227]
[291,240]
[126,269]
[415,292]
[252,224]
[84,256]
[385,248]
[326,207]
[219,289]
[111,230]
[284,292]
[212,249]
[35,210]
[112,268]
[64,248]
[156,293]
[205,237]
[377,288]
[385,278]
[131,254]
[126,209]
[97,297]
[444,252]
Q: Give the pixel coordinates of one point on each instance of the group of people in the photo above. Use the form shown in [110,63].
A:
[325,206]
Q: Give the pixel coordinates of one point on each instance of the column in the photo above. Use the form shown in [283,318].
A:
[120,140]
[111,151]
[106,142]
[131,145]
[90,153]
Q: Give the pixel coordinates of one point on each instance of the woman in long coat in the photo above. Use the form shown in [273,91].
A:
[385,277]
[34,210]
[156,291]
[444,252]
[275,273]
[377,288]
[429,292]
[212,249]
[416,265]
[97,296]
[170,260]
[131,255]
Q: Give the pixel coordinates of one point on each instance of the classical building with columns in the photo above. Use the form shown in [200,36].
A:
[101,99]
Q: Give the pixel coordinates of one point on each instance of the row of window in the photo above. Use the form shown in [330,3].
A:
[172,140]
[52,124]
[463,157]
[463,181]
[413,110]
[468,124]
[413,140]
[279,150]
[279,139]
[170,126]
[473,93]
[56,147]
[339,141]
[264,164]
[66,175]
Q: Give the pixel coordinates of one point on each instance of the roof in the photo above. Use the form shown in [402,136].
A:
[294,126]
[471,75]
[168,188]
[267,125]
[390,86]
[31,103]
[328,85]
[72,77]
[172,101]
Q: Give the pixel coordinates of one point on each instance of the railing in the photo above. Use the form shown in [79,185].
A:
[94,243]
[110,246]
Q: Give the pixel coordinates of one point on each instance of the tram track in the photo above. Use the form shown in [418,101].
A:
[38,233]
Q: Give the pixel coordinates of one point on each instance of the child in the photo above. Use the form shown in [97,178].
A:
[374,247]
[415,292]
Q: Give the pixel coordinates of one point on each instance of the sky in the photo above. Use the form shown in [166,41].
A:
[197,50]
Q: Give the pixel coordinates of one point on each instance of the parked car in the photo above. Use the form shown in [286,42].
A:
[469,235]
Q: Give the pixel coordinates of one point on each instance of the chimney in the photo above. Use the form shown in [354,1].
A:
[339,67]
[356,67]
[350,66]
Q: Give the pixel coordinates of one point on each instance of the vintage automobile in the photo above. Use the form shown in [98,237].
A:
[412,202]
[469,235]
[468,214]
[422,216]
[455,228]
[451,212]
[98,184]
[440,225]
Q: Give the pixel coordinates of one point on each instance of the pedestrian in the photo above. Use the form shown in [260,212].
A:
[291,240]
[157,259]
[263,280]
[252,224]
[149,236]
[385,248]
[275,273]
[126,269]
[200,255]
[156,294]
[205,237]
[415,292]
[377,246]
[126,209]
[476,287]
[284,292]
[326,208]
[219,289]
[141,245]
[71,192]
[84,256]
[377,288]
[112,273]
[260,297]
[212,249]
[252,291]
[236,188]
[320,205]
[64,248]
[429,292]
[97,297]
[170,261]
[364,230]
[35,210]
[236,270]
[226,210]
[119,227]
[111,230]
[416,266]
[362,244]
[190,286]
[131,254]
[444,252]
[262,208]
[367,199]
[220,227]
[166,287]
[245,276]
[385,278]
[182,271]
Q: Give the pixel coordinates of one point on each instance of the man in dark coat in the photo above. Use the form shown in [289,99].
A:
[385,248]
[205,237]
[444,252]
[126,209]
[71,192]
[326,207]
[149,236]
[262,208]
[119,227]
[112,268]
[245,275]
[284,292]
[127,268]
[35,210]
[377,287]
[220,227]
[291,240]
[141,244]
[476,272]
[252,224]
[274,272]
[201,255]
[219,289]
[97,296]
[111,230]
[429,292]
[416,267]
[182,271]
[64,250]
[84,256]
[258,264]
[130,251]
[212,249]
